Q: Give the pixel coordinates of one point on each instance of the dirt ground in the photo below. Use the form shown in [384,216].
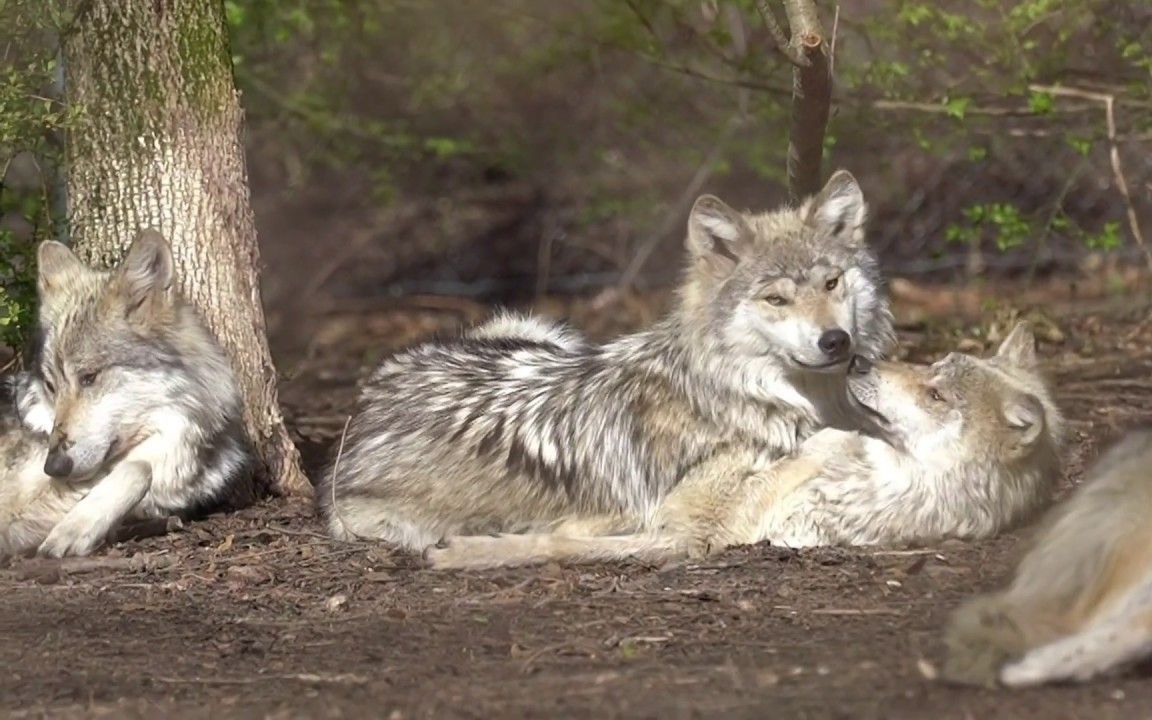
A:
[259,615]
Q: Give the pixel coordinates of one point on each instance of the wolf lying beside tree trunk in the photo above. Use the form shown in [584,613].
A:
[131,410]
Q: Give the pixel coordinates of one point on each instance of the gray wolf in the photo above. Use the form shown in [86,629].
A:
[962,449]
[132,410]
[520,422]
[1080,603]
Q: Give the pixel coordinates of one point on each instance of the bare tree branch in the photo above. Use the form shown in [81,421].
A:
[939,108]
[701,75]
[811,98]
[794,56]
[832,48]
[703,172]
[1109,102]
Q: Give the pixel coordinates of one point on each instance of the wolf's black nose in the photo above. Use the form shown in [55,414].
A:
[57,465]
[859,365]
[834,343]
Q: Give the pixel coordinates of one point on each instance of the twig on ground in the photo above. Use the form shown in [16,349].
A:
[855,611]
[334,509]
[290,531]
[43,569]
[526,666]
[317,678]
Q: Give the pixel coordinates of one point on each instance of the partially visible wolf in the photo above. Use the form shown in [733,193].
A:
[132,410]
[966,447]
[29,503]
[1080,604]
[520,423]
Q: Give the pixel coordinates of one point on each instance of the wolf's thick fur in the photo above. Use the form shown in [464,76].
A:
[520,423]
[1080,603]
[30,505]
[132,411]
[967,447]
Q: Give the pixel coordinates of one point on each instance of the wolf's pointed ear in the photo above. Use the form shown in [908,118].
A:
[147,269]
[717,234]
[57,266]
[839,209]
[1025,416]
[1019,348]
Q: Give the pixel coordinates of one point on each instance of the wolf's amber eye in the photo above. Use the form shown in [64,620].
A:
[87,379]
[831,284]
[775,300]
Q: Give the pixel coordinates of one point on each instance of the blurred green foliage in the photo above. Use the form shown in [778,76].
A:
[29,118]
[442,69]
[421,93]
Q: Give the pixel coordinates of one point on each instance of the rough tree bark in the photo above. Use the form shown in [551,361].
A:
[158,144]
[808,52]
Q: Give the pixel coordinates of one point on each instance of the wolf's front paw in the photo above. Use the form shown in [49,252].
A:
[461,552]
[444,555]
[70,539]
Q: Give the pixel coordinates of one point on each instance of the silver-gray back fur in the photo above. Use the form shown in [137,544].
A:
[521,422]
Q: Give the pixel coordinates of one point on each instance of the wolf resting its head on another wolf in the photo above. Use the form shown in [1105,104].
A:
[520,423]
[131,411]
[967,447]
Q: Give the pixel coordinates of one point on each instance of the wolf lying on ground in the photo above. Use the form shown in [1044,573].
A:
[966,447]
[520,423]
[132,411]
[1080,604]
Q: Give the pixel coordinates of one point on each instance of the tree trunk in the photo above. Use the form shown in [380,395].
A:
[811,98]
[158,144]
[809,53]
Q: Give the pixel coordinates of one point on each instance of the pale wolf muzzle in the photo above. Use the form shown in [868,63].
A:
[835,345]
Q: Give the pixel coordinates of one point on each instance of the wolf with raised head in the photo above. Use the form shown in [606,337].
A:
[520,423]
[1080,603]
[960,449]
[131,410]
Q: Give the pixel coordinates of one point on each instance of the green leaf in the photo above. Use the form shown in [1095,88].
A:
[1107,239]
[1081,145]
[956,107]
[1040,103]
